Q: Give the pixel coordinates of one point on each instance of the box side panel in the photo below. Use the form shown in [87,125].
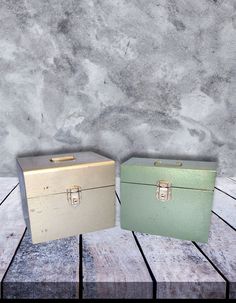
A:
[186,178]
[24,203]
[53,217]
[40,183]
[186,216]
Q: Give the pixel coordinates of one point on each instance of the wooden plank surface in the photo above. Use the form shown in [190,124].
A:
[226,185]
[113,266]
[36,271]
[6,185]
[48,270]
[112,263]
[118,186]
[12,227]
[221,250]
[180,270]
[225,207]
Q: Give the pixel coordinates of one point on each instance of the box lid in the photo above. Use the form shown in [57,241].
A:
[180,173]
[51,174]
[60,161]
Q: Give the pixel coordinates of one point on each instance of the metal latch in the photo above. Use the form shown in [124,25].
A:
[74,195]
[163,191]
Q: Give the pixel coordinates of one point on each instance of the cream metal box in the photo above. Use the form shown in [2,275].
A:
[66,195]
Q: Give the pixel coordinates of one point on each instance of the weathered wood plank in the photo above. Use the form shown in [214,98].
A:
[118,186]
[48,270]
[110,258]
[6,185]
[225,207]
[227,185]
[181,271]
[221,250]
[113,266]
[12,228]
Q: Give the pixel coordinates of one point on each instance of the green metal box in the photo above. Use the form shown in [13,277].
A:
[167,197]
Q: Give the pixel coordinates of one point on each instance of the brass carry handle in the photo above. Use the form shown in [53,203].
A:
[62,159]
[163,164]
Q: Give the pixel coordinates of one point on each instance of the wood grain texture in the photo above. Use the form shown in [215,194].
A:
[225,207]
[221,250]
[12,227]
[180,270]
[227,185]
[118,186]
[6,185]
[48,270]
[113,266]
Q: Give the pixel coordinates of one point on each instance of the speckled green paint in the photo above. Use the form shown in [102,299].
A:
[186,216]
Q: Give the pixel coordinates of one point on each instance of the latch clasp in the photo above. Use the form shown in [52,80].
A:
[74,195]
[163,191]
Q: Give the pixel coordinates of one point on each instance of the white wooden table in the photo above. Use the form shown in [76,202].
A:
[115,263]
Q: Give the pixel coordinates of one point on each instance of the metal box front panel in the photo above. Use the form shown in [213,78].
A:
[186,216]
[53,181]
[51,194]
[179,177]
[52,217]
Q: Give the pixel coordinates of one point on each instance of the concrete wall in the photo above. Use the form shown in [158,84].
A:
[122,77]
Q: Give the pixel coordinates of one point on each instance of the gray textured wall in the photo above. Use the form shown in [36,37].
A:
[146,77]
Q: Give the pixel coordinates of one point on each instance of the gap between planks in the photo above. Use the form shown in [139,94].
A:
[16,272]
[12,230]
[164,289]
[113,266]
[7,185]
[220,253]
[224,203]
[81,243]
[11,261]
[223,212]
[154,291]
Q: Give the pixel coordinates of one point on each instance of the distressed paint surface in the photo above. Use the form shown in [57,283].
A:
[52,217]
[180,270]
[179,267]
[12,226]
[221,250]
[186,215]
[227,185]
[122,77]
[113,266]
[6,185]
[225,207]
[48,270]
[118,186]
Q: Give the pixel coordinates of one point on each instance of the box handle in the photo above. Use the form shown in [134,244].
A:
[62,159]
[159,163]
